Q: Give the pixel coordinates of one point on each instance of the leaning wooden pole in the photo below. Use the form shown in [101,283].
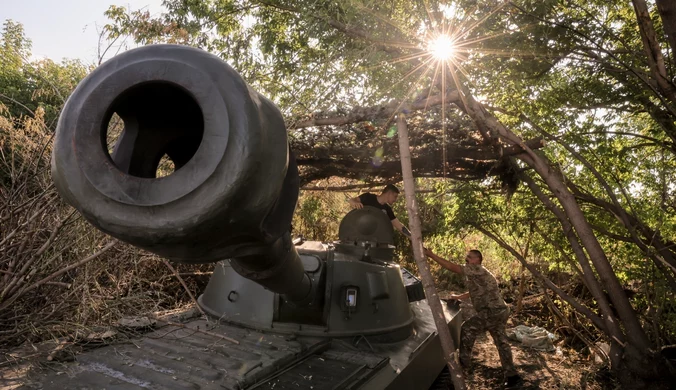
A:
[447,345]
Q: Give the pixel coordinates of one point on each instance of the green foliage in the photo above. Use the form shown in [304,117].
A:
[27,84]
[318,215]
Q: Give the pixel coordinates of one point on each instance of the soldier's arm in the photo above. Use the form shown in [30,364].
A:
[444,263]
[460,297]
[400,226]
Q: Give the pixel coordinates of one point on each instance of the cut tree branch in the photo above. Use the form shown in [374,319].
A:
[361,114]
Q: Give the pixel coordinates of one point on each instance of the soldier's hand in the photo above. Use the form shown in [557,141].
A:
[355,204]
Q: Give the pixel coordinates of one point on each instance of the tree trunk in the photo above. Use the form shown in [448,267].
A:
[612,327]
[652,49]
[573,265]
[667,10]
[522,284]
[635,332]
[522,290]
[450,352]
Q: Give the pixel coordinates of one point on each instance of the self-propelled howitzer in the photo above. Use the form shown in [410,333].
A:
[230,200]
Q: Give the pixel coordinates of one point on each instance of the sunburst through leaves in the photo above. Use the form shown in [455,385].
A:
[441,47]
[444,43]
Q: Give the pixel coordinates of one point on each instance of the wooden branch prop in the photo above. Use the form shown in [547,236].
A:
[185,287]
[447,344]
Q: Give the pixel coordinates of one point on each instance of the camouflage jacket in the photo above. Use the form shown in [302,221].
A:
[483,288]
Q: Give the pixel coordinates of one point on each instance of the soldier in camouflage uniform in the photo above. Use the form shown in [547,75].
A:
[491,311]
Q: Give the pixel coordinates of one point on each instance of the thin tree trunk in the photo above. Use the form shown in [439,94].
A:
[612,327]
[447,345]
[625,311]
[522,285]
[522,290]
[595,319]
[652,49]
[588,277]
[575,266]
[667,10]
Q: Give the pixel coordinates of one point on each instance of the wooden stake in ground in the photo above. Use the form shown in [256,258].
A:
[187,290]
[447,344]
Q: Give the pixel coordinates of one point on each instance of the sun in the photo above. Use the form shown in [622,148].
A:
[441,47]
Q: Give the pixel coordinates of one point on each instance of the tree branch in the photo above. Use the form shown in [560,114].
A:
[361,114]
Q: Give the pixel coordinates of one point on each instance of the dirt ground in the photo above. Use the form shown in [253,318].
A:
[563,369]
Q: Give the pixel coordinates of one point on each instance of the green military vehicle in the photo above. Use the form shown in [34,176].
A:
[283,313]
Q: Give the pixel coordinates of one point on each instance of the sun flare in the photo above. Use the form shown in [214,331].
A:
[441,47]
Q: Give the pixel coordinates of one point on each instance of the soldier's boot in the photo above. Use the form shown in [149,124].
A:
[513,382]
[465,362]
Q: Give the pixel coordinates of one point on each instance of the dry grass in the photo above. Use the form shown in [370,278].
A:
[58,275]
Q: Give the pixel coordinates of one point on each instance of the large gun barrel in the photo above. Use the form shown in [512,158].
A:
[235,184]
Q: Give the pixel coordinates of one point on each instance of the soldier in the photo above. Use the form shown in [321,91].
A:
[384,201]
[492,312]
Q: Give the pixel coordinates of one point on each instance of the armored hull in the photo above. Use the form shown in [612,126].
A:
[182,358]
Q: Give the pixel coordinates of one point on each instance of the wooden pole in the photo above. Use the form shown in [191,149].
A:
[447,345]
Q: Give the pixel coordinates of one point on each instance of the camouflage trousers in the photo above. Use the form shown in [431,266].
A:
[493,321]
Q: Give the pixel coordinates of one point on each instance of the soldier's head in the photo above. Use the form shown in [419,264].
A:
[390,193]
[474,257]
